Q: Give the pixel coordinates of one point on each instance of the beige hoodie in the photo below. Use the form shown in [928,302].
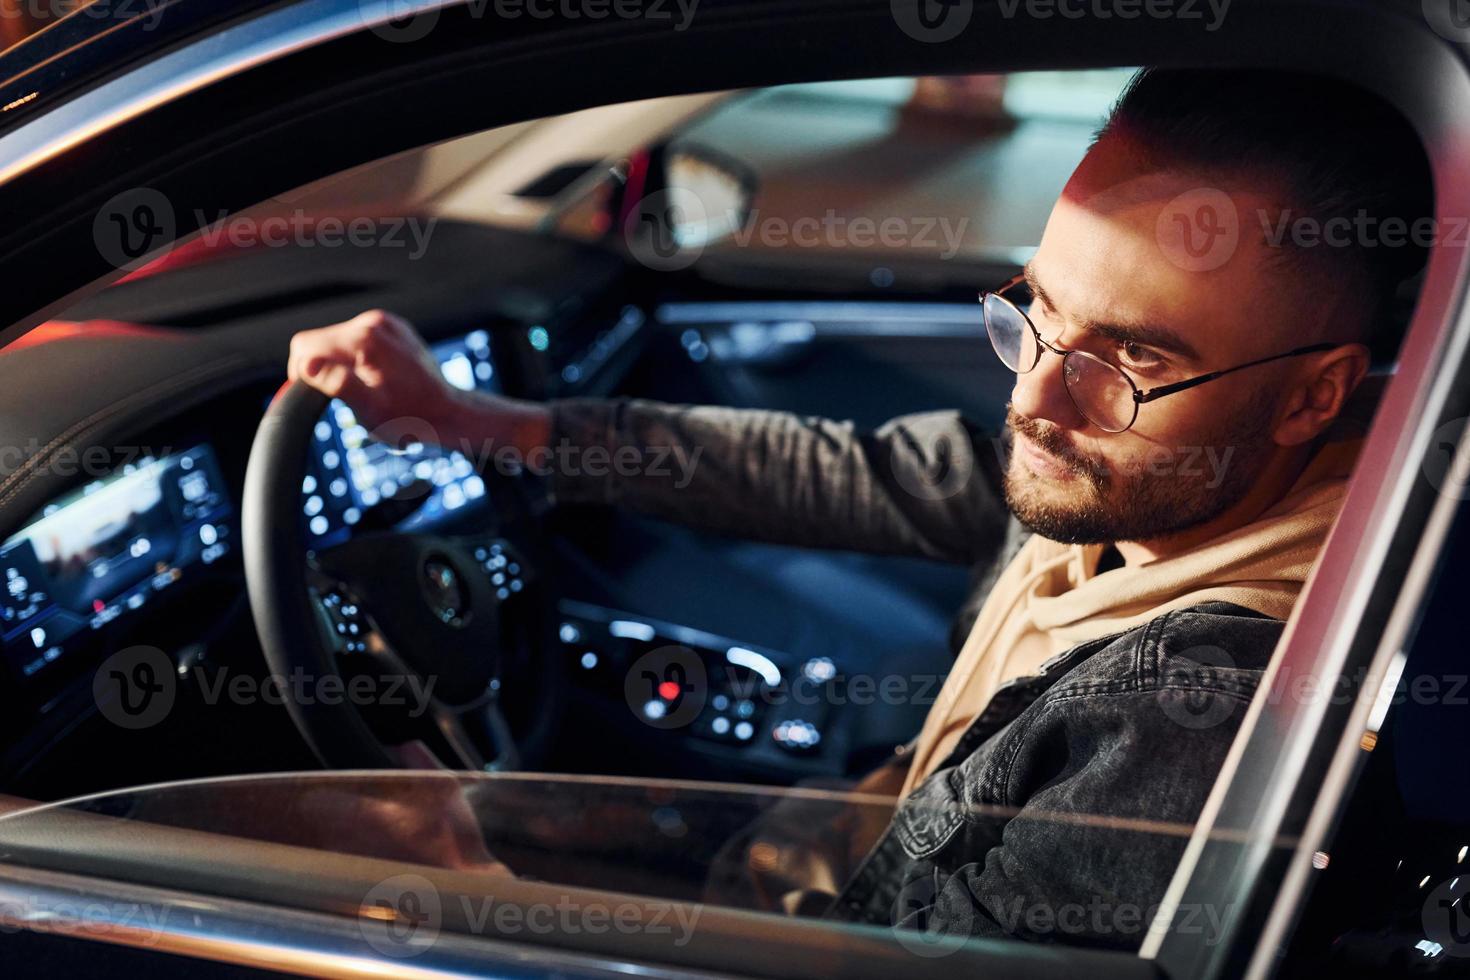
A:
[1050,598]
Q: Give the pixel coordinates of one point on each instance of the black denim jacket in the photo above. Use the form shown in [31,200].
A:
[1065,807]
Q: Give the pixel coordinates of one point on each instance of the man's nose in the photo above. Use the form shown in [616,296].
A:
[1041,393]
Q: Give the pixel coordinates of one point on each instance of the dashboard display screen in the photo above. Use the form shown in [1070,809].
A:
[109,548]
[351,472]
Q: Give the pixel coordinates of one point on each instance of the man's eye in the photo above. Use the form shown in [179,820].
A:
[1135,355]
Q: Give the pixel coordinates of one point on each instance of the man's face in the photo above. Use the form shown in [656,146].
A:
[1112,280]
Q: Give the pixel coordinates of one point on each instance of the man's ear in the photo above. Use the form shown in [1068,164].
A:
[1322,388]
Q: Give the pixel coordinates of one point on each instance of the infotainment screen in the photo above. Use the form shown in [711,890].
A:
[351,472]
[109,548]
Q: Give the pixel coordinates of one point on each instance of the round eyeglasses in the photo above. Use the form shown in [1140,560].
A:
[1101,392]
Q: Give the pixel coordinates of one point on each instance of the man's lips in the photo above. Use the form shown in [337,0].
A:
[1041,462]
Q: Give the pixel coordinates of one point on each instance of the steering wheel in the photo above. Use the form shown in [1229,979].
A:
[400,649]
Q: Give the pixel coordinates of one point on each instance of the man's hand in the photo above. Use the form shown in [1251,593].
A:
[377,363]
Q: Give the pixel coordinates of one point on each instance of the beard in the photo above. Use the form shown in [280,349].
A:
[1138,500]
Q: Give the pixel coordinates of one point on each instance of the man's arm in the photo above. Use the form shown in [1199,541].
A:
[921,485]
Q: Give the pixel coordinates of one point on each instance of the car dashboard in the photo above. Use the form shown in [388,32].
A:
[177,370]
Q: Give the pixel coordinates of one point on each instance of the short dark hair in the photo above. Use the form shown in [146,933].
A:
[1332,150]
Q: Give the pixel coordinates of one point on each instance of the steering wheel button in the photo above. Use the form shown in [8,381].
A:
[497,579]
[502,593]
[744,731]
[515,585]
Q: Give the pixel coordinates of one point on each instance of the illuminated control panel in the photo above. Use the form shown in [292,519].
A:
[108,549]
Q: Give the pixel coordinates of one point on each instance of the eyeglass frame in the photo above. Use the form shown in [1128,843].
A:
[1140,396]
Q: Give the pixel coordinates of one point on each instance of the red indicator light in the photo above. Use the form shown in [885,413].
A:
[98,605]
[668,690]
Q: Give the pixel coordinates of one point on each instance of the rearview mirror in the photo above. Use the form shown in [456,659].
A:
[687,198]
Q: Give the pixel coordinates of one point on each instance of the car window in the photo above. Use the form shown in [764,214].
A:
[1389,882]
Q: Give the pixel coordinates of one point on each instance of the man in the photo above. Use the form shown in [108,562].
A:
[1185,351]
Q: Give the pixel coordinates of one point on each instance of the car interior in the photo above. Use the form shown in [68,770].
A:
[166,476]
[839,330]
